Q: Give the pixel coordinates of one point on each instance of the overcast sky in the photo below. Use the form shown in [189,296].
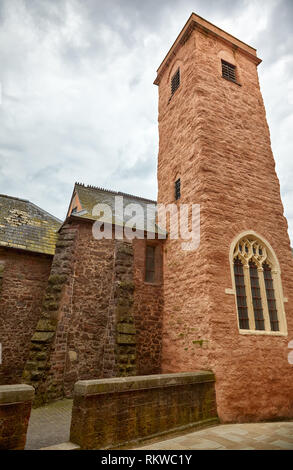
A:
[78,100]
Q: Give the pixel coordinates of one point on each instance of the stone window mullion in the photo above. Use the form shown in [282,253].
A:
[249,297]
[264,299]
[279,300]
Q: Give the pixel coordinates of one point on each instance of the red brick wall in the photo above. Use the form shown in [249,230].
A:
[25,277]
[214,136]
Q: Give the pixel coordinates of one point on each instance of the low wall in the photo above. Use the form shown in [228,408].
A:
[15,410]
[121,411]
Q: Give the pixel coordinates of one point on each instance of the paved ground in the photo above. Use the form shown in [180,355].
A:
[49,425]
[260,436]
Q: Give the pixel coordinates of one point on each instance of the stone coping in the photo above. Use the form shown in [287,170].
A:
[16,393]
[62,446]
[124,384]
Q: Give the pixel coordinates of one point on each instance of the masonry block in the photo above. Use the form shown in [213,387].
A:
[15,409]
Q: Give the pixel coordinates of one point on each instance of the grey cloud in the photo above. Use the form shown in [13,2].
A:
[141,169]
[79,103]
[278,38]
[46,12]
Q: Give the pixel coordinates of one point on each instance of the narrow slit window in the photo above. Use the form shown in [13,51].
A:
[272,306]
[150,263]
[256,297]
[241,295]
[177,189]
[229,71]
[175,82]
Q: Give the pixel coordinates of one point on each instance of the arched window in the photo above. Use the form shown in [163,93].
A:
[257,285]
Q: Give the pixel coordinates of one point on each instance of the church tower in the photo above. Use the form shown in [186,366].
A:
[228,304]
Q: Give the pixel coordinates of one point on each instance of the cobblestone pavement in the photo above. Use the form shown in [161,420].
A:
[260,436]
[49,425]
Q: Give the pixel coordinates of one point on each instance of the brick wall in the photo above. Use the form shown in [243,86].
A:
[114,412]
[23,281]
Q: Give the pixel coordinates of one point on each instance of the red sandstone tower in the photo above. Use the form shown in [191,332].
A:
[228,305]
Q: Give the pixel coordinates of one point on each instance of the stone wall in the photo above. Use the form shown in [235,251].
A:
[45,366]
[90,300]
[215,138]
[148,312]
[115,412]
[15,409]
[23,280]
[99,318]
[125,347]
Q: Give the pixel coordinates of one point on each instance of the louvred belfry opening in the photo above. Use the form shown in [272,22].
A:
[175,82]
[229,71]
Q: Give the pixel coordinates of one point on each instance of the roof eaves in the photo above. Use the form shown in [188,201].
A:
[197,22]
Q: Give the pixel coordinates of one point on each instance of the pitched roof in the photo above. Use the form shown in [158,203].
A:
[90,196]
[25,226]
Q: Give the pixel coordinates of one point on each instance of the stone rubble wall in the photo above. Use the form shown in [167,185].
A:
[99,318]
[23,280]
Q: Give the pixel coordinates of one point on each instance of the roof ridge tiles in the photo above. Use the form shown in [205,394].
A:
[13,197]
[118,193]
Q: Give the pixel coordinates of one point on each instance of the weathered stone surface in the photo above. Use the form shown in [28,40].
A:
[25,276]
[113,412]
[44,363]
[42,336]
[126,328]
[143,382]
[125,349]
[72,356]
[215,138]
[16,393]
[148,312]
[126,339]
[15,409]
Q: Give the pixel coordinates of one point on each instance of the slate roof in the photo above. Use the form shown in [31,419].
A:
[25,226]
[89,196]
